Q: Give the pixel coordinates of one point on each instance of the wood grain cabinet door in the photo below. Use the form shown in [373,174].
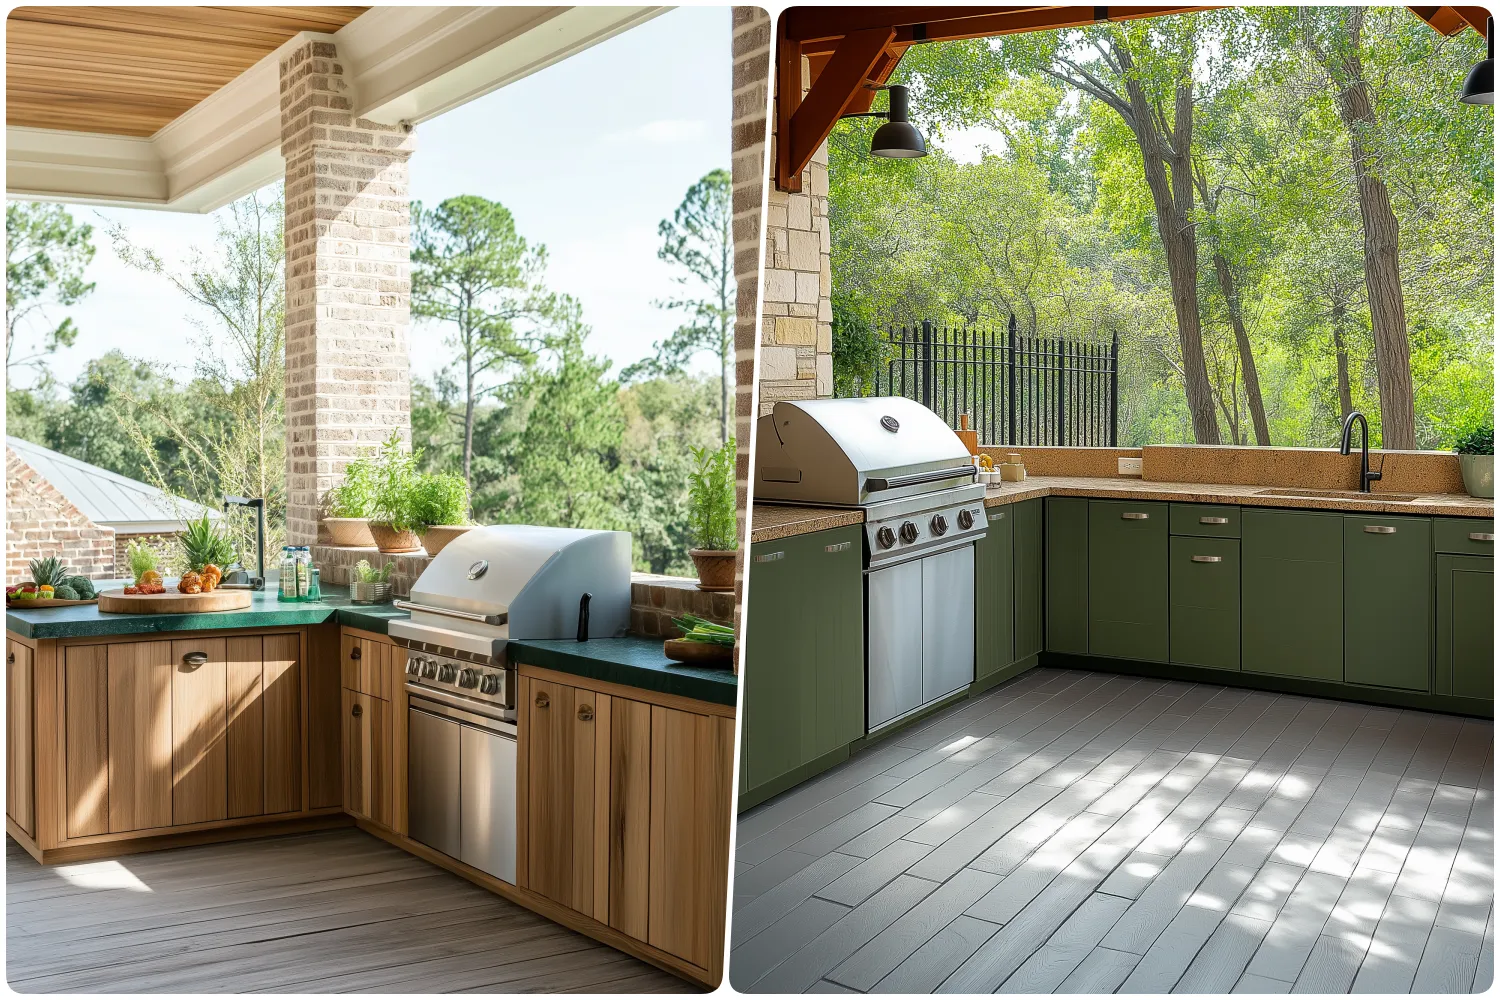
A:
[20,786]
[628,808]
[562,793]
[86,738]
[691,767]
[367,757]
[199,731]
[281,693]
[140,736]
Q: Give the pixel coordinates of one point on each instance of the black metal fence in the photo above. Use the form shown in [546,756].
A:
[1016,390]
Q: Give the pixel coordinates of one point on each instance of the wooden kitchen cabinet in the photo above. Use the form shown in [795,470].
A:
[1067,582]
[1127,580]
[200,703]
[995,595]
[1204,617]
[1388,594]
[140,735]
[367,757]
[1292,594]
[1466,626]
[20,756]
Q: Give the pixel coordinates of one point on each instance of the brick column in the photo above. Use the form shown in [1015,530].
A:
[348,282]
[796,357]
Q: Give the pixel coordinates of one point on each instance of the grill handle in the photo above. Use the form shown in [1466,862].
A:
[583,617]
[874,485]
[468,616]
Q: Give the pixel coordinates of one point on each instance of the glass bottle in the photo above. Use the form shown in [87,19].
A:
[287,589]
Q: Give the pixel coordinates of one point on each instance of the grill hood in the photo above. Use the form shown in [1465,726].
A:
[852,452]
[526,580]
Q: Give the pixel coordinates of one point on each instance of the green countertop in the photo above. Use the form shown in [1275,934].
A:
[634,661]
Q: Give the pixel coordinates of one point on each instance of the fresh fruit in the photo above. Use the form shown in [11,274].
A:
[49,572]
[45,590]
[24,595]
[211,576]
[150,578]
[204,545]
[65,593]
[191,583]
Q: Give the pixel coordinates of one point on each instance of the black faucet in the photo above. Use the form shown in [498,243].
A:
[257,582]
[1366,477]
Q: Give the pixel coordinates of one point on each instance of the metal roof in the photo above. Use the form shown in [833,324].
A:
[108,498]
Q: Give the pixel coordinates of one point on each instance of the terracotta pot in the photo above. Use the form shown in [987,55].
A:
[388,539]
[715,568]
[351,532]
[439,535]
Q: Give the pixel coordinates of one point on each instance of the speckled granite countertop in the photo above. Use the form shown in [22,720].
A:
[772,521]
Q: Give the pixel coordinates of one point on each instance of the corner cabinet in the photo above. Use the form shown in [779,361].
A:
[1465,622]
[1008,589]
[372,702]
[624,802]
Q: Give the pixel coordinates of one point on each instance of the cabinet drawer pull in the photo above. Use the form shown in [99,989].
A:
[585,713]
[357,710]
[354,653]
[1379,529]
[1208,559]
[837,547]
[998,517]
[1133,515]
[1213,520]
[766,557]
[195,660]
[542,701]
[1481,536]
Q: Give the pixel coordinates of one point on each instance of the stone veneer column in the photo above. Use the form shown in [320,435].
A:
[796,356]
[348,282]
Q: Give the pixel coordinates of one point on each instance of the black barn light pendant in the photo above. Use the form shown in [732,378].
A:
[1479,88]
[898,137]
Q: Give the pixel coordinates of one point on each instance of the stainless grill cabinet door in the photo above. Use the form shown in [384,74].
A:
[894,627]
[432,814]
[489,803]
[947,623]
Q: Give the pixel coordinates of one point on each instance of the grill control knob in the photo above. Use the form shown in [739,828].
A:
[429,669]
[966,519]
[468,677]
[489,684]
[413,666]
[908,532]
[939,524]
[885,537]
[448,673]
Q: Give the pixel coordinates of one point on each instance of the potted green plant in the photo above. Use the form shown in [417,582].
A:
[368,585]
[348,506]
[1476,457]
[442,501]
[395,514]
[711,516]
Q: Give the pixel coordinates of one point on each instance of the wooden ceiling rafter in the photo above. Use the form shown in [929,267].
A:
[1450,21]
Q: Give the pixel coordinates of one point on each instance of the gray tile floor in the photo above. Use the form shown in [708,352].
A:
[1081,832]
[338,911]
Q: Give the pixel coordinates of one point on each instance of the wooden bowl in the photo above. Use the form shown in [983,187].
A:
[708,653]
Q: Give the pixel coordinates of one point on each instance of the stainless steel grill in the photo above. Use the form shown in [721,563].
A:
[904,467]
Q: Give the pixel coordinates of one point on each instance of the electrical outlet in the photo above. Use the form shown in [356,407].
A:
[1130,466]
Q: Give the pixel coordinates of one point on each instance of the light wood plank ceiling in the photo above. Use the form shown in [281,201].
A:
[131,70]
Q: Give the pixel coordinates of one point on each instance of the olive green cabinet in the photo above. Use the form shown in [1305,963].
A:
[995,595]
[1127,579]
[1067,535]
[1204,617]
[1028,542]
[1388,601]
[804,673]
[1292,594]
[1466,626]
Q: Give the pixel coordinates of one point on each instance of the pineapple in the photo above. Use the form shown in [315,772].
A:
[203,545]
[49,572]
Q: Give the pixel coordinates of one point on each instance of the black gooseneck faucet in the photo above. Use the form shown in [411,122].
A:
[1366,477]
[257,582]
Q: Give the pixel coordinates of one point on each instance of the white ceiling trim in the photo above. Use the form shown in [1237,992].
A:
[405,64]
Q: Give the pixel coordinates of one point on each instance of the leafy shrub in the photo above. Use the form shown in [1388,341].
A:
[354,496]
[711,498]
[365,573]
[395,498]
[441,498]
[1477,440]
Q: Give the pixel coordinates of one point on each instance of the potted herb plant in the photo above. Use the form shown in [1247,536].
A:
[1476,457]
[395,513]
[348,506]
[711,516]
[368,585]
[442,501]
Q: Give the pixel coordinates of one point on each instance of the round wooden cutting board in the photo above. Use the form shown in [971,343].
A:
[173,603]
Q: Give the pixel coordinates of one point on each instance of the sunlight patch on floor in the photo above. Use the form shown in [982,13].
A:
[101,875]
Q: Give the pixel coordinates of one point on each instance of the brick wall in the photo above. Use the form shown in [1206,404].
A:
[348,281]
[796,355]
[41,522]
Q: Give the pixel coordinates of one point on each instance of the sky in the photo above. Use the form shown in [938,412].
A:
[589,155]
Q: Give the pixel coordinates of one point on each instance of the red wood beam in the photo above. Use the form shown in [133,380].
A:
[842,78]
[1450,21]
[976,22]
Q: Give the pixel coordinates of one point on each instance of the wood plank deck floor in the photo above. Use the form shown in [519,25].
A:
[1077,832]
[337,911]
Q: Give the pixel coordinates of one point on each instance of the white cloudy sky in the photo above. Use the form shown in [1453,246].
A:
[589,155]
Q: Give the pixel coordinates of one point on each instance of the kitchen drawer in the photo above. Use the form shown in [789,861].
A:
[1205,520]
[1204,617]
[1464,536]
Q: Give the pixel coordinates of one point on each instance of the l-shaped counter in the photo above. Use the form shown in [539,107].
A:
[1326,593]
[296,719]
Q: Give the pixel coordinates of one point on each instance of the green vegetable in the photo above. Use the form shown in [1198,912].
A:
[711,503]
[365,573]
[65,593]
[697,629]
[84,586]
[354,496]
[1477,440]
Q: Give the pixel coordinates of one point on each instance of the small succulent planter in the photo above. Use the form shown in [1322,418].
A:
[350,532]
[375,592]
[437,536]
[393,540]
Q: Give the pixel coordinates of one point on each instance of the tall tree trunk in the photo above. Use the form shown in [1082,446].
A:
[1341,355]
[1398,421]
[1247,359]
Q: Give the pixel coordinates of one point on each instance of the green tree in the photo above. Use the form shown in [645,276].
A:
[46,254]
[474,274]
[699,240]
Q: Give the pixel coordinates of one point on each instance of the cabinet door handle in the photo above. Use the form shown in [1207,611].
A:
[836,547]
[1213,520]
[10,657]
[357,710]
[354,653]
[766,557]
[1208,559]
[195,660]
[1134,515]
[585,713]
[1379,529]
[542,701]
[998,517]
[1474,536]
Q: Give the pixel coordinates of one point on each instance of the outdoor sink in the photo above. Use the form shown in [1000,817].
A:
[1339,494]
